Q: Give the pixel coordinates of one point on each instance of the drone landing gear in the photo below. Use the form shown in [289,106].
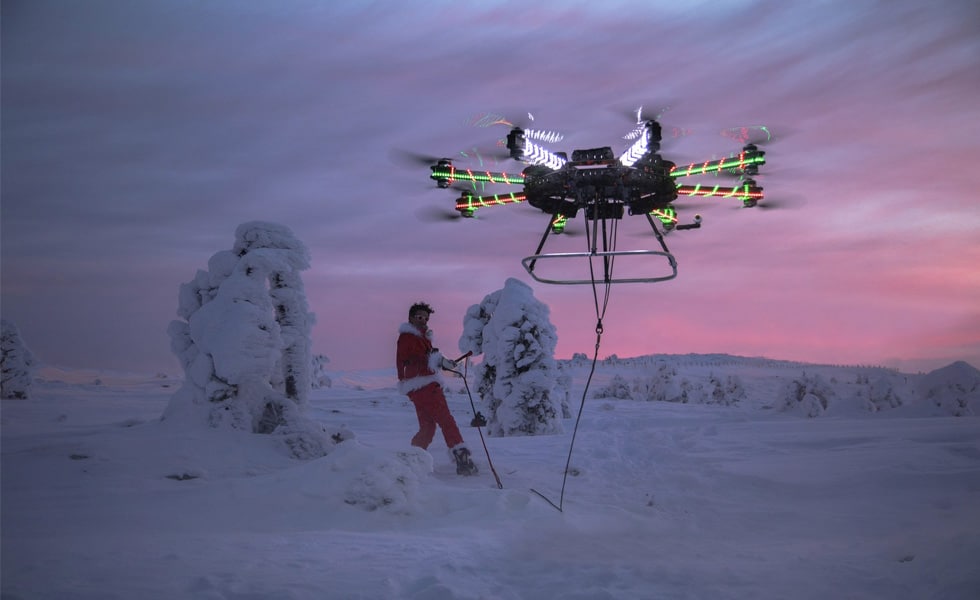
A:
[607,255]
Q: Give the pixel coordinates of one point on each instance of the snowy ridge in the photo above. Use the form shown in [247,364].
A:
[756,382]
[717,359]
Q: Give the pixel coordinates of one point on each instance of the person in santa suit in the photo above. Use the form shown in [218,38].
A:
[418,365]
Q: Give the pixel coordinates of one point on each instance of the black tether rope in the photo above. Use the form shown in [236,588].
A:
[476,416]
[608,243]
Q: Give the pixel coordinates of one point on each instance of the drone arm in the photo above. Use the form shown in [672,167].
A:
[667,216]
[743,161]
[450,173]
[471,202]
[746,191]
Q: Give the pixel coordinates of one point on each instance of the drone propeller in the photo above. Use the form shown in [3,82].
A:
[414,159]
[780,202]
[516,119]
[646,120]
[509,118]
[645,111]
[434,214]
[757,135]
[474,154]
[481,156]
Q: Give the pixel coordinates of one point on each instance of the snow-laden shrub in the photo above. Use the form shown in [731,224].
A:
[727,392]
[392,484]
[563,388]
[882,395]
[662,386]
[692,392]
[618,387]
[244,342]
[809,395]
[518,375]
[318,376]
[17,364]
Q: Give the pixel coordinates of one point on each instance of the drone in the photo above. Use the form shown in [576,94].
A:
[604,188]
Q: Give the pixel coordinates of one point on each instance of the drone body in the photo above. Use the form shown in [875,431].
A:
[605,188]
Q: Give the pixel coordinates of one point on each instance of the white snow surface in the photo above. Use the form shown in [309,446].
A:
[876,497]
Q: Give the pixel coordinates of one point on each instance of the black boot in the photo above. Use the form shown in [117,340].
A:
[464,462]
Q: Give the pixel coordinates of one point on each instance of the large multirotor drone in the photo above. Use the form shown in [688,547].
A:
[604,188]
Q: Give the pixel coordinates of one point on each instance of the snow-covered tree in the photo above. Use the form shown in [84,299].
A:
[518,375]
[691,392]
[244,341]
[17,364]
[809,394]
[661,387]
[882,395]
[618,388]
[728,391]
[319,377]
[563,388]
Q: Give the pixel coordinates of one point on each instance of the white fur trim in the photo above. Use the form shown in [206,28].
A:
[409,328]
[416,383]
[435,362]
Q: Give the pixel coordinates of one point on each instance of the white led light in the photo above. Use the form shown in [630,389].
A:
[636,151]
[537,155]
[545,136]
[636,132]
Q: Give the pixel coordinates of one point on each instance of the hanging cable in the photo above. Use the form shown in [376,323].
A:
[478,419]
[608,243]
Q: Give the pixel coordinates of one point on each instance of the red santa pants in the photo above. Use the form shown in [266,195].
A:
[431,408]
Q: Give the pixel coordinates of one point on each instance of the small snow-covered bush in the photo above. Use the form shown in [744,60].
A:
[809,395]
[563,388]
[372,480]
[882,395]
[727,392]
[618,387]
[319,377]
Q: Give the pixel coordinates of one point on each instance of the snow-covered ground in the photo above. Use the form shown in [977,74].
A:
[735,494]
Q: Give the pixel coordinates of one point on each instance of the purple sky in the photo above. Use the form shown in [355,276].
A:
[138,135]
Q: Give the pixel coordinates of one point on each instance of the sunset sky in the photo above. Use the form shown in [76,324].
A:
[136,136]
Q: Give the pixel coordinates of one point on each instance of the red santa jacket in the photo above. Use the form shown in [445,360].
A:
[416,362]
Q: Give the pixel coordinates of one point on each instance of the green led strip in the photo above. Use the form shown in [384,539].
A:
[453,174]
[741,161]
[667,215]
[468,202]
[742,191]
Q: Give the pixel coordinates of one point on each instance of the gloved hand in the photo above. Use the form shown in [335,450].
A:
[447,364]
